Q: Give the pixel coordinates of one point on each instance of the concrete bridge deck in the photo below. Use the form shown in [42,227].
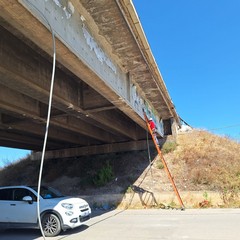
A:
[105,75]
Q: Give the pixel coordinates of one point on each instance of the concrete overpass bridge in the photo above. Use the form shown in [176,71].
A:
[105,76]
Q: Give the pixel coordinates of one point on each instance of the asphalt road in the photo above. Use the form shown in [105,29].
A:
[193,224]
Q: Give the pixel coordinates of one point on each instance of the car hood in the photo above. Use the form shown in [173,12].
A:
[72,200]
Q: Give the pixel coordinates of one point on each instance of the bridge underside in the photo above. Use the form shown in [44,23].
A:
[87,114]
[25,82]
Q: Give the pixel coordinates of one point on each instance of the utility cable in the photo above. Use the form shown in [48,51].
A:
[148,148]
[184,122]
[48,117]
[149,155]
[220,128]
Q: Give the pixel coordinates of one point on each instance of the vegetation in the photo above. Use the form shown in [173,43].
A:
[199,161]
[209,162]
[169,147]
[82,175]
[104,175]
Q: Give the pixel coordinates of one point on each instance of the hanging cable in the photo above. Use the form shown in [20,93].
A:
[48,117]
[184,122]
[149,156]
[148,148]
[164,163]
[220,128]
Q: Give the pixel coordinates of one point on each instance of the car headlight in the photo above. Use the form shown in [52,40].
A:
[69,213]
[67,205]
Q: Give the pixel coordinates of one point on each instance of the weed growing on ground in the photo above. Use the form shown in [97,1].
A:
[104,175]
[206,203]
[231,198]
[210,162]
[159,165]
[200,161]
[168,147]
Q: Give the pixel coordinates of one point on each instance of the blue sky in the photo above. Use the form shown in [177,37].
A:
[10,155]
[196,44]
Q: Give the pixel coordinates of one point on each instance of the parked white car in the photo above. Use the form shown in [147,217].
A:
[18,209]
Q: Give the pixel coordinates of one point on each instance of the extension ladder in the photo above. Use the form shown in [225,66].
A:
[164,164]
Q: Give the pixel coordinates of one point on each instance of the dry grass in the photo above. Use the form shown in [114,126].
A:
[76,176]
[208,162]
[200,161]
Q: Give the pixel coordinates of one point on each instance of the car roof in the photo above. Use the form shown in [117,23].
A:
[17,186]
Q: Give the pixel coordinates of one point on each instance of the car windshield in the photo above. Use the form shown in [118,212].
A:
[48,192]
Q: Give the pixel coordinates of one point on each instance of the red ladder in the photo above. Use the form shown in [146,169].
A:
[164,164]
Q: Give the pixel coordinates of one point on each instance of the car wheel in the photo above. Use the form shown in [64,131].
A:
[51,225]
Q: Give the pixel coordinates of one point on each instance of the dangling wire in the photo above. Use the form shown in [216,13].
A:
[48,117]
[148,148]
[149,155]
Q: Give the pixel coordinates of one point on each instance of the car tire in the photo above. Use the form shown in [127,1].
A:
[51,225]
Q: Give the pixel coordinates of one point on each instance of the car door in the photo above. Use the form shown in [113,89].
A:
[6,210]
[24,212]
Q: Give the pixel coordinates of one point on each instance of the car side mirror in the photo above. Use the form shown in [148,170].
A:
[28,199]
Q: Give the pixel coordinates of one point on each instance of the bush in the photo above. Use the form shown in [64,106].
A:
[169,147]
[104,175]
[160,165]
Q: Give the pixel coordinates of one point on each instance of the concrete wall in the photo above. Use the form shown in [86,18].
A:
[71,28]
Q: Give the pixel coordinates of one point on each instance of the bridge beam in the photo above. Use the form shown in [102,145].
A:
[92,150]
[105,75]
[23,77]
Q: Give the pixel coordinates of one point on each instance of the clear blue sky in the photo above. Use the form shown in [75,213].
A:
[10,155]
[196,44]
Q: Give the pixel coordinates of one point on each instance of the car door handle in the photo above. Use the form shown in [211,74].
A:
[12,204]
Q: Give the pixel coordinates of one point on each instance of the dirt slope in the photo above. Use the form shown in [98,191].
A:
[199,161]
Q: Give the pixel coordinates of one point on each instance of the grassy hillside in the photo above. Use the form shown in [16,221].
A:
[198,161]
[83,175]
[207,161]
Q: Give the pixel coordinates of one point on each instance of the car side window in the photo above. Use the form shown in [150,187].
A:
[20,193]
[6,194]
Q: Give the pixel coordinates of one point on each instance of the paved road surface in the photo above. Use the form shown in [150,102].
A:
[193,224]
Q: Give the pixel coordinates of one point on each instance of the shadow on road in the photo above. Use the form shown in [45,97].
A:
[34,234]
[19,234]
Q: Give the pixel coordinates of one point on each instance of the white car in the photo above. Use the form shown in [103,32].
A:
[18,209]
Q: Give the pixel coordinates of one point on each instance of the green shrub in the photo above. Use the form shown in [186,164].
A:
[129,190]
[160,165]
[169,147]
[103,176]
